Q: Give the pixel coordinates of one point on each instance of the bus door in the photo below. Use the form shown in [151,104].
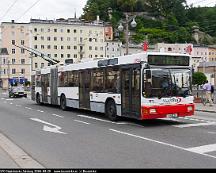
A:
[44,87]
[130,87]
[53,86]
[84,89]
[33,78]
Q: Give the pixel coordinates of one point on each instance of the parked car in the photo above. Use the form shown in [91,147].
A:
[17,91]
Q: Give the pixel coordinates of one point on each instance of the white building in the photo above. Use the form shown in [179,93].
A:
[113,49]
[198,53]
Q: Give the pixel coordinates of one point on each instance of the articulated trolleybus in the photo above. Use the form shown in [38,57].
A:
[141,86]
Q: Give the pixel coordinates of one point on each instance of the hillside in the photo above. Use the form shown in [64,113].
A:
[164,20]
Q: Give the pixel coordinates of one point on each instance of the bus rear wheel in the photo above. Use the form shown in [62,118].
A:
[110,111]
[63,103]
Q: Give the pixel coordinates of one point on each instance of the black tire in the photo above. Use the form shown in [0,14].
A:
[38,99]
[110,111]
[63,105]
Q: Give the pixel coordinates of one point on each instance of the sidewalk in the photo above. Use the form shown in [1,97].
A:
[206,108]
[6,161]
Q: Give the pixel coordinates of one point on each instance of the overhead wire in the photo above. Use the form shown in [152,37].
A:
[9,8]
[28,10]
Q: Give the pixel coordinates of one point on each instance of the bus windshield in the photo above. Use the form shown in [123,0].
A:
[167,83]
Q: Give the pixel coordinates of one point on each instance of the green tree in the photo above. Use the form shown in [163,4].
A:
[198,79]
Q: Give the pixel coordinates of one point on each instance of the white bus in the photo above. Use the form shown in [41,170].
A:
[142,86]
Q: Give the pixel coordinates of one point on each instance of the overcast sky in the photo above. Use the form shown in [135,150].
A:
[23,10]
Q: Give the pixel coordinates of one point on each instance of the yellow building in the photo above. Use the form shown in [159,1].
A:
[212,54]
[16,65]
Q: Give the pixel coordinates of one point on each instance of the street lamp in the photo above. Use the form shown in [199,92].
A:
[121,28]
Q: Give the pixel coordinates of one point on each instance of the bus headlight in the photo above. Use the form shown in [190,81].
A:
[152,111]
[190,108]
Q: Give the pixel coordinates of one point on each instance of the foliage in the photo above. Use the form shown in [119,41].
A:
[166,20]
[199,78]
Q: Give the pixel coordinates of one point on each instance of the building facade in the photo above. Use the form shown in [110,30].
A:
[17,63]
[67,39]
[62,39]
[212,54]
[4,68]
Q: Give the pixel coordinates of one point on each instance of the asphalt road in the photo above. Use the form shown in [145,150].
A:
[80,139]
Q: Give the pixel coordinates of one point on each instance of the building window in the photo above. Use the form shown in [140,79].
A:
[35,46]
[22,71]
[62,47]
[48,47]
[55,55]
[22,51]
[55,38]
[48,38]
[75,55]
[35,29]
[13,51]
[55,30]
[68,55]
[62,39]
[36,65]
[42,37]
[22,61]
[68,47]
[42,46]
[55,47]
[13,61]
[13,42]
[90,47]
[75,47]
[13,71]
[75,30]
[68,30]
[22,42]
[42,65]
[35,38]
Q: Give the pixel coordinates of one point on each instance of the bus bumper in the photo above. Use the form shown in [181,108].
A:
[167,111]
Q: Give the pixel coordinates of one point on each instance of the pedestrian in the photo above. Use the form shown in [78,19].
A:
[212,92]
[207,89]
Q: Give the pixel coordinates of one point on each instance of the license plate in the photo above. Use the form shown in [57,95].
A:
[172,115]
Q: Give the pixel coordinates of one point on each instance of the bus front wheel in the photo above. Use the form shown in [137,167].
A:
[63,103]
[110,111]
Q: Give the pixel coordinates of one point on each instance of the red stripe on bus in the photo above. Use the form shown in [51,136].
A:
[162,111]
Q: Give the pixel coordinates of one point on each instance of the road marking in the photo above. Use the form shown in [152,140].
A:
[98,119]
[28,108]
[18,105]
[9,99]
[107,121]
[22,159]
[212,133]
[81,122]
[203,149]
[11,103]
[53,129]
[195,125]
[164,143]
[58,115]
[40,111]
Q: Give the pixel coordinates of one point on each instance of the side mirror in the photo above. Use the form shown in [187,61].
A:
[148,74]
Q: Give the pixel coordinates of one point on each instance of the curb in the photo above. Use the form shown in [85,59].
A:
[200,110]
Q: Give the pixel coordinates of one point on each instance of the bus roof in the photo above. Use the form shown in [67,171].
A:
[121,60]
